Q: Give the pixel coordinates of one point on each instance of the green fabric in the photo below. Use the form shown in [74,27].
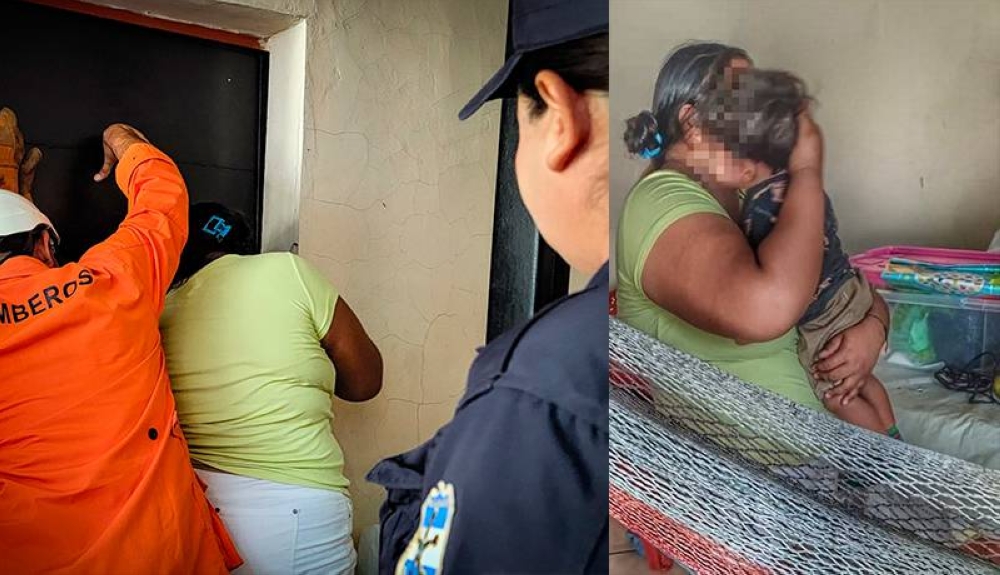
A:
[656,202]
[910,334]
[253,384]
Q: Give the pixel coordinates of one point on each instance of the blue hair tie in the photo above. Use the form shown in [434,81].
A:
[217,228]
[650,153]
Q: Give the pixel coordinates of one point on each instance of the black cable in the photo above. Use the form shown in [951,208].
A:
[978,382]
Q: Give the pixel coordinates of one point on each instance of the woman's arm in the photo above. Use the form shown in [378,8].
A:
[703,270]
[353,353]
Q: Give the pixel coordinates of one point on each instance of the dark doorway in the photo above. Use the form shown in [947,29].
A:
[69,75]
[526,274]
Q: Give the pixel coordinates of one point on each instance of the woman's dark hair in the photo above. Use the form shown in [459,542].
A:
[682,79]
[753,113]
[583,64]
[215,230]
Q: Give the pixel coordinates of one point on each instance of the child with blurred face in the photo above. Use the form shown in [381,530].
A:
[747,124]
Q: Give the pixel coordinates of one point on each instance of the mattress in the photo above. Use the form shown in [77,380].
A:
[942,420]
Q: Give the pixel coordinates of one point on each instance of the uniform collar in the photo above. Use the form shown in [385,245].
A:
[599,282]
[20,267]
[600,278]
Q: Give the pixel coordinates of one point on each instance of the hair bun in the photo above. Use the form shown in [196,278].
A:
[642,135]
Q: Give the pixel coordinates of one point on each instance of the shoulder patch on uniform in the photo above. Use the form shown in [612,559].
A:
[425,553]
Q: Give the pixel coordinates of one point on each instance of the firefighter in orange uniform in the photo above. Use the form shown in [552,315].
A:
[94,472]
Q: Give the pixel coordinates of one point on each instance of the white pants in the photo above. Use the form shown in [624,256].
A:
[284,529]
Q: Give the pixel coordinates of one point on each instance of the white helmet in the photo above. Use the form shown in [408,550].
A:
[17,215]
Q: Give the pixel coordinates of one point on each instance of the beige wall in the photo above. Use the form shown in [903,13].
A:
[397,204]
[908,92]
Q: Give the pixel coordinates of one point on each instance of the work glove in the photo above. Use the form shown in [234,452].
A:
[17,168]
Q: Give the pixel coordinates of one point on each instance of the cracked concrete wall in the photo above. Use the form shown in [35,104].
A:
[397,204]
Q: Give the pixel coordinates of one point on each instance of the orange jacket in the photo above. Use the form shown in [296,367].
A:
[94,471]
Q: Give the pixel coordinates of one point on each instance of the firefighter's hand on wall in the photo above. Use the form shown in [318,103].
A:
[117,139]
[17,168]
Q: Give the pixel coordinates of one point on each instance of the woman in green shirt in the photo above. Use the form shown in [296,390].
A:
[257,346]
[686,273]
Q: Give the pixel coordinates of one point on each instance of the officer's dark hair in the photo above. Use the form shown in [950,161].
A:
[683,77]
[21,244]
[753,113]
[215,231]
[583,64]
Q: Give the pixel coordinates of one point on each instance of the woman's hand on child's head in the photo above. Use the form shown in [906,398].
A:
[808,151]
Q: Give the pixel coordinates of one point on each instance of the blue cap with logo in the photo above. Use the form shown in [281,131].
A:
[536,24]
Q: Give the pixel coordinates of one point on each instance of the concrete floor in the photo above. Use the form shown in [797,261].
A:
[624,561]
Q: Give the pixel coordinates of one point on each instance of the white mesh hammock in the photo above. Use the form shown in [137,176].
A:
[730,478]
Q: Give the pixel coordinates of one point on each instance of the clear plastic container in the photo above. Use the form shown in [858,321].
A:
[932,328]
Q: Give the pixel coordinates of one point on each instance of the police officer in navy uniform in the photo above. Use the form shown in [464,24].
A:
[517,482]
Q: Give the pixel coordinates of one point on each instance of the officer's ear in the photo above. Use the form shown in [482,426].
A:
[568,123]
[44,249]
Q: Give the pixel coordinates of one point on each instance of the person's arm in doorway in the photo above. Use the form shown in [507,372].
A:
[355,357]
[353,353]
[147,246]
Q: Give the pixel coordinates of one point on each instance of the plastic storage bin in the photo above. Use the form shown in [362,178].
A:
[932,328]
[872,262]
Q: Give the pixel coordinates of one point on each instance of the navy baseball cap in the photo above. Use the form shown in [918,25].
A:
[536,24]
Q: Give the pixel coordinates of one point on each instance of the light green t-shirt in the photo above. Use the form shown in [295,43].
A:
[656,202]
[253,384]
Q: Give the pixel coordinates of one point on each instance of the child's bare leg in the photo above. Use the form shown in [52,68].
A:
[858,411]
[874,392]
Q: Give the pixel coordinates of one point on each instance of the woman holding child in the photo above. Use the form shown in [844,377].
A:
[696,271]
